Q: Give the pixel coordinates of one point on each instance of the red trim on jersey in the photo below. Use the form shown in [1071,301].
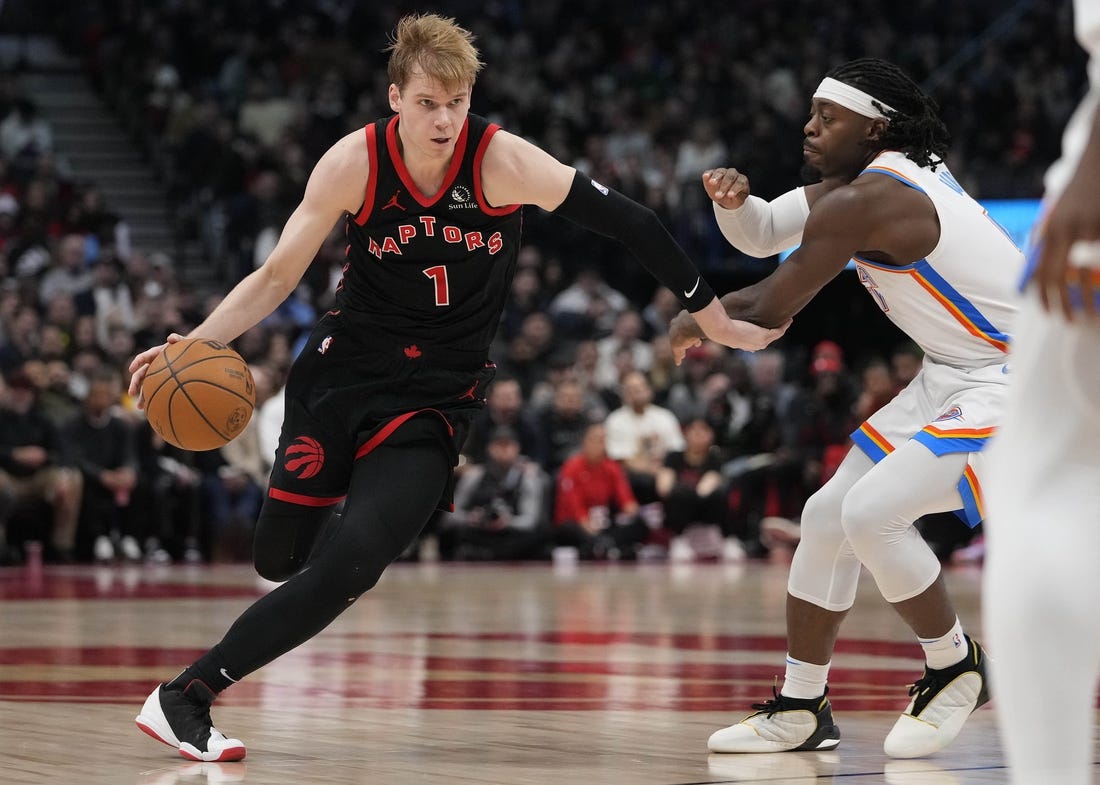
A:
[403,172]
[372,177]
[387,430]
[302,499]
[482,202]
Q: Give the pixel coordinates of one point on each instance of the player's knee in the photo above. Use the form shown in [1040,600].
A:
[820,521]
[863,519]
[357,578]
[273,568]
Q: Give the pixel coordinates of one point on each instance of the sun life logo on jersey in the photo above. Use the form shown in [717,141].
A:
[460,195]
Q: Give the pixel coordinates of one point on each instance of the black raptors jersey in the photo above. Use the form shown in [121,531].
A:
[429,274]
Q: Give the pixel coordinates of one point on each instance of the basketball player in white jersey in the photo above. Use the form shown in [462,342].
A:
[1043,536]
[944,273]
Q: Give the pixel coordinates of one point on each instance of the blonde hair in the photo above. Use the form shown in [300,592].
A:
[443,50]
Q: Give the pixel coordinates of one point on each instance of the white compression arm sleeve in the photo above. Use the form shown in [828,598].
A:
[761,228]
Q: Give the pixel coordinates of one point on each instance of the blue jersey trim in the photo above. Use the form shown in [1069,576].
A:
[940,445]
[865,443]
[968,308]
[970,513]
[895,175]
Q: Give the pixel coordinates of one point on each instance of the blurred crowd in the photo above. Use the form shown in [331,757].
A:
[593,442]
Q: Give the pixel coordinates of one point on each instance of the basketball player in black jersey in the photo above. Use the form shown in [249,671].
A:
[378,402]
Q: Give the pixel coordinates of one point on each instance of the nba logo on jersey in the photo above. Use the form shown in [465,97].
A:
[325,344]
[957,640]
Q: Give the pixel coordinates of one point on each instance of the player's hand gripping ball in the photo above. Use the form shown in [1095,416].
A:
[199,394]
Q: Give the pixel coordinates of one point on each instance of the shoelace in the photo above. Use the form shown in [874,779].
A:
[777,704]
[927,681]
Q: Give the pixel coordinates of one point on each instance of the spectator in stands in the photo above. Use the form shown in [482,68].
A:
[640,434]
[24,135]
[594,509]
[906,362]
[878,388]
[104,450]
[21,339]
[695,494]
[504,405]
[626,336]
[34,468]
[765,471]
[56,398]
[234,490]
[170,494]
[68,274]
[661,310]
[500,509]
[112,302]
[528,296]
[588,305]
[564,423]
[688,397]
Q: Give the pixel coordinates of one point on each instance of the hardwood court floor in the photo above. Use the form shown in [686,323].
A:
[519,675]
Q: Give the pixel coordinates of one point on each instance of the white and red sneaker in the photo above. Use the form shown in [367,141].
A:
[181,719]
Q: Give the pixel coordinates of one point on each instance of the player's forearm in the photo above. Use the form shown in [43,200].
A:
[759,228]
[250,301]
[612,215]
[738,304]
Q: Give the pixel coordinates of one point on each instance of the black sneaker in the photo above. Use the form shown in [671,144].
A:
[781,725]
[181,719]
[942,700]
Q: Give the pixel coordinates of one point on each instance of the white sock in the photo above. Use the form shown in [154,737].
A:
[804,679]
[945,651]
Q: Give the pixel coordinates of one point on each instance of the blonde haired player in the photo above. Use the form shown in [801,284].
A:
[1043,534]
[942,271]
[379,401]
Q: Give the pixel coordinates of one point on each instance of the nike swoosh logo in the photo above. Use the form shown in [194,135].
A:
[694,288]
[223,673]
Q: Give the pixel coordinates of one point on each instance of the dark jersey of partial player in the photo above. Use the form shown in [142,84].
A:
[429,273]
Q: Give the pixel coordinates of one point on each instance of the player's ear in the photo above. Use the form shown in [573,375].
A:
[876,129]
[395,97]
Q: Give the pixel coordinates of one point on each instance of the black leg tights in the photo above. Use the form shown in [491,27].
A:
[392,493]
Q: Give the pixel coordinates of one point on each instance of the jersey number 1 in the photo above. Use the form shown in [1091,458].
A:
[438,274]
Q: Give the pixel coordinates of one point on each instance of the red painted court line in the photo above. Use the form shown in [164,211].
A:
[678,641]
[15,585]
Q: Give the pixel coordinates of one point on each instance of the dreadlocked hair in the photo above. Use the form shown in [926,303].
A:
[914,126]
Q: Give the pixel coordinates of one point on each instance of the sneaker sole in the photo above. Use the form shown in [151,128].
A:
[150,727]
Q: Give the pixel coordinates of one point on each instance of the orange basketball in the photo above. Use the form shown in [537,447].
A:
[198,394]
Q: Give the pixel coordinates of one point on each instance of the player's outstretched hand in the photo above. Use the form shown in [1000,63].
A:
[1068,273]
[139,366]
[688,330]
[728,187]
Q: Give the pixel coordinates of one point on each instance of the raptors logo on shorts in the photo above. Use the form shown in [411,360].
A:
[304,457]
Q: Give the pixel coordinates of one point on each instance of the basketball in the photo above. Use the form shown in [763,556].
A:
[198,394]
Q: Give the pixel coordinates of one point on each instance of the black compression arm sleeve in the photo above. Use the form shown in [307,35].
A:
[611,214]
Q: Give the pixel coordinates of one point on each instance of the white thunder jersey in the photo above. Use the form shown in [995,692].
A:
[958,303]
